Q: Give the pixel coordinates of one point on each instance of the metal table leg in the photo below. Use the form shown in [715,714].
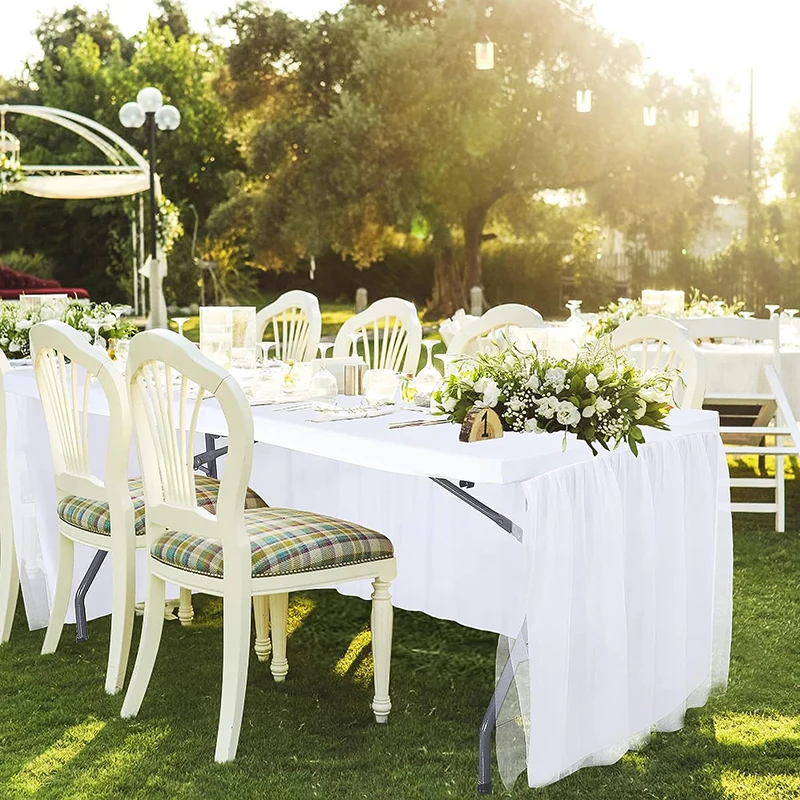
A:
[81,628]
[506,677]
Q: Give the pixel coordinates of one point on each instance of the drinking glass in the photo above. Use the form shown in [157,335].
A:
[746,314]
[790,312]
[447,363]
[379,386]
[180,322]
[323,383]
[574,307]
[354,337]
[216,334]
[121,349]
[773,309]
[95,325]
[428,378]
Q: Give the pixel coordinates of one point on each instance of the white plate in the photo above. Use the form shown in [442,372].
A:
[21,362]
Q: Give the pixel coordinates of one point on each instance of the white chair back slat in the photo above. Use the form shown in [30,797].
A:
[67,412]
[496,323]
[9,574]
[296,322]
[164,372]
[660,343]
[390,332]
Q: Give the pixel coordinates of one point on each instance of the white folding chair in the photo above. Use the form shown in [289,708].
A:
[748,416]
[495,322]
[296,324]
[394,328]
[660,343]
[9,572]
[232,553]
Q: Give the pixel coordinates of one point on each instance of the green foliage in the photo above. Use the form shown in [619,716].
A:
[29,263]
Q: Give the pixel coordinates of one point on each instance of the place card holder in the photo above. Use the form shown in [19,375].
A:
[480,425]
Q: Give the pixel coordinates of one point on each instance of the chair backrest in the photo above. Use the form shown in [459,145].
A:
[749,330]
[660,343]
[390,332]
[499,319]
[168,380]
[296,324]
[65,364]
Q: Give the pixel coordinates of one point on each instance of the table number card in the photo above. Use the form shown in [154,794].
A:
[480,424]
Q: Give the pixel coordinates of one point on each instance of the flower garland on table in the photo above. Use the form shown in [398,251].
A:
[599,396]
[10,173]
[16,323]
[698,305]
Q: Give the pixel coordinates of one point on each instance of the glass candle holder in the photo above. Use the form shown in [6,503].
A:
[216,334]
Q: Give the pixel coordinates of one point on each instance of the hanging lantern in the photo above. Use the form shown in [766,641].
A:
[484,54]
[649,115]
[583,101]
[693,118]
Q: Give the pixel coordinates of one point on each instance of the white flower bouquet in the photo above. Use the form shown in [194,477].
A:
[599,396]
[16,323]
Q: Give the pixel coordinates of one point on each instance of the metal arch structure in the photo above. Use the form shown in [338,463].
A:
[125,173]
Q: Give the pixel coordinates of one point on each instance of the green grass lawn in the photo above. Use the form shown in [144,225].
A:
[314,736]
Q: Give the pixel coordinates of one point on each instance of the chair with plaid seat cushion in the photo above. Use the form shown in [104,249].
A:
[235,554]
[94,516]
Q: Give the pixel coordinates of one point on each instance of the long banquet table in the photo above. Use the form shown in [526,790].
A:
[620,568]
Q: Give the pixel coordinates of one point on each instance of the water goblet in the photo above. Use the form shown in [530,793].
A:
[790,312]
[574,307]
[379,386]
[428,378]
[354,337]
[447,363]
[773,309]
[180,322]
[323,383]
[746,314]
[95,325]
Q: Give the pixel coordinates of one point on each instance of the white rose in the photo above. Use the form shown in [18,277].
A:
[602,405]
[532,426]
[533,383]
[556,377]
[605,374]
[588,411]
[14,347]
[4,341]
[641,409]
[547,407]
[591,382]
[648,394]
[23,325]
[515,404]
[491,393]
[449,403]
[568,414]
[109,321]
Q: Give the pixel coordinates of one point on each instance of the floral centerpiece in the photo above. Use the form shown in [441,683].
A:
[16,322]
[599,396]
[698,305]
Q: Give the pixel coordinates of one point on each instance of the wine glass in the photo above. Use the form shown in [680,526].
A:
[95,324]
[790,312]
[428,378]
[746,314]
[180,322]
[379,386]
[354,337]
[323,383]
[574,307]
[773,309]
[447,363]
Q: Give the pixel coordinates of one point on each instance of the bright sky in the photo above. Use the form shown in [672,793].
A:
[720,38]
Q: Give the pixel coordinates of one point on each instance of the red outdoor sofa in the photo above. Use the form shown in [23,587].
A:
[13,284]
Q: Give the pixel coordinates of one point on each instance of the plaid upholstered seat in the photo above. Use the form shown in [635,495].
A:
[282,541]
[95,517]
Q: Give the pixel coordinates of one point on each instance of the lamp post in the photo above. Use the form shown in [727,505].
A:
[149,110]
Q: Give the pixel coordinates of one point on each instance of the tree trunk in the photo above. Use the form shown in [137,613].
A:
[474,220]
[449,290]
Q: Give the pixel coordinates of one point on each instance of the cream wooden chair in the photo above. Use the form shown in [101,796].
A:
[234,554]
[296,324]
[660,343]
[109,514]
[9,571]
[393,327]
[496,321]
[98,513]
[750,417]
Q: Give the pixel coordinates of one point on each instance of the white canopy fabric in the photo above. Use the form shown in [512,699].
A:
[83,187]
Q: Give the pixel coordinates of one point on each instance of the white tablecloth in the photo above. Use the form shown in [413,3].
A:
[623,575]
[740,367]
